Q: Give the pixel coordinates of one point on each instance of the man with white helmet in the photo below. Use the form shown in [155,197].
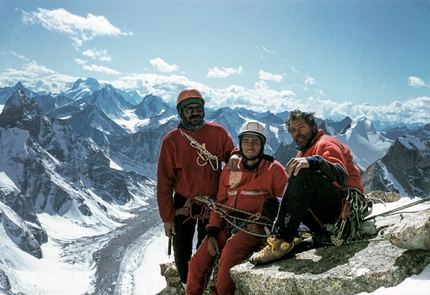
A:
[189,165]
[257,178]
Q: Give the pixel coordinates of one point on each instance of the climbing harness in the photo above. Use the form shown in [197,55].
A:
[203,154]
[237,222]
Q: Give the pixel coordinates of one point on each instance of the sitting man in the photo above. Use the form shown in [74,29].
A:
[318,180]
[257,178]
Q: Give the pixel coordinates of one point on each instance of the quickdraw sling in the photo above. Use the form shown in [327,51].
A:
[203,154]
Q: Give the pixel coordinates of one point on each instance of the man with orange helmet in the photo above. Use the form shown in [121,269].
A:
[189,165]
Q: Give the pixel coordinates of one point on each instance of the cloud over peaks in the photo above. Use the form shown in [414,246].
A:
[101,69]
[97,54]
[224,72]
[163,66]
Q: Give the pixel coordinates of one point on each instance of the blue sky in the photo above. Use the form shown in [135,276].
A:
[337,58]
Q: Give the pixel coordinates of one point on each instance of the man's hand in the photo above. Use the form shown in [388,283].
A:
[169,229]
[233,162]
[213,247]
[255,229]
[294,165]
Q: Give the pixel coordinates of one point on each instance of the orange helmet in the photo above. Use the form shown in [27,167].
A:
[187,94]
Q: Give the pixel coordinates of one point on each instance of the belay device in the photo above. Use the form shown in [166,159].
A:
[351,226]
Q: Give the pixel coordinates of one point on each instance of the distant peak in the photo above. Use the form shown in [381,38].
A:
[91,83]
[19,85]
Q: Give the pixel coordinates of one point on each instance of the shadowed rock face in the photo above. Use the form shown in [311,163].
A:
[408,161]
[22,112]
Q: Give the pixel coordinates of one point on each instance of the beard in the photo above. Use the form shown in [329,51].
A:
[195,120]
[303,141]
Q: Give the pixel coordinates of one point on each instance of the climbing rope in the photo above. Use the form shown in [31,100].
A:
[348,229]
[395,210]
[225,212]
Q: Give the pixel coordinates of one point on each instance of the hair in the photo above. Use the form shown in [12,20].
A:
[297,114]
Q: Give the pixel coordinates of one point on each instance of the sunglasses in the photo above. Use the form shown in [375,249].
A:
[190,110]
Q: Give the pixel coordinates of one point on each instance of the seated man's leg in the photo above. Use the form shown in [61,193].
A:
[233,253]
[271,208]
[201,265]
[306,190]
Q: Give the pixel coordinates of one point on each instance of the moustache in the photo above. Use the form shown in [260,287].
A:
[195,117]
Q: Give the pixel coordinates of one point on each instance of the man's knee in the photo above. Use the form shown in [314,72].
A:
[271,207]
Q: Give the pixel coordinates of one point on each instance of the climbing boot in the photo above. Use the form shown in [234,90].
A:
[274,250]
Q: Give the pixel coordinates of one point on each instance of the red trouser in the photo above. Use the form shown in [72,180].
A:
[232,254]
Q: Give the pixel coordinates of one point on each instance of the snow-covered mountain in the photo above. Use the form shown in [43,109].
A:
[82,164]
[48,170]
[82,88]
[366,143]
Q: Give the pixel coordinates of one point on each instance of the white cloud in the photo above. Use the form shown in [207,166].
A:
[410,111]
[163,66]
[33,67]
[37,78]
[78,28]
[310,80]
[101,69]
[97,54]
[416,82]
[319,92]
[294,69]
[265,76]
[268,50]
[80,61]
[19,56]
[225,72]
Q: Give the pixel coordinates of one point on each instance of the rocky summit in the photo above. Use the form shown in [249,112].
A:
[348,269]
[399,251]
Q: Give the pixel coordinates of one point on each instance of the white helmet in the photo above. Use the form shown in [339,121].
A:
[253,128]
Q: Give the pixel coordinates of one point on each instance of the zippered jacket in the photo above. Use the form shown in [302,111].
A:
[247,190]
[334,160]
[183,170]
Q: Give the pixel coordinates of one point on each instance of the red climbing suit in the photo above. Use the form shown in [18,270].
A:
[244,190]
